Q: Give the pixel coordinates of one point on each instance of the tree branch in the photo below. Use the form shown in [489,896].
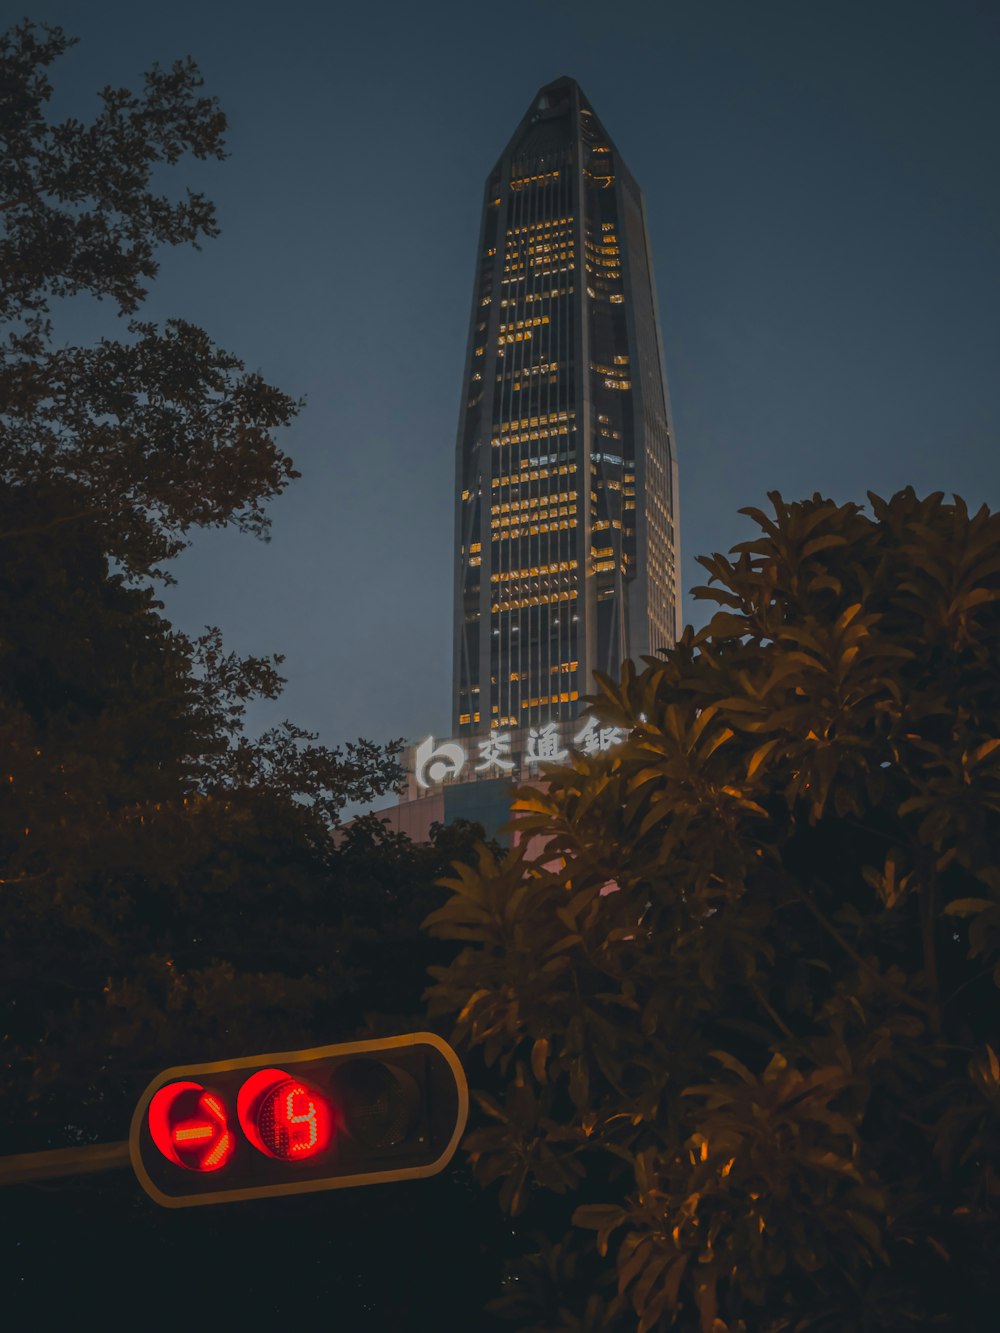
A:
[36,529]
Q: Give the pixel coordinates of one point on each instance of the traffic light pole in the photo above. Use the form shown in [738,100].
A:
[25,1168]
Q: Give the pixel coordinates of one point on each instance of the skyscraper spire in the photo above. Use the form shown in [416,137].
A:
[567,536]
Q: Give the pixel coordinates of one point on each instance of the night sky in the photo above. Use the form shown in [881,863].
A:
[821,181]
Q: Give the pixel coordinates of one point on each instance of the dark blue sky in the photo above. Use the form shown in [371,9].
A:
[821,179]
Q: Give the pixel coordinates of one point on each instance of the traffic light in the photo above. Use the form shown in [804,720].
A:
[289,1122]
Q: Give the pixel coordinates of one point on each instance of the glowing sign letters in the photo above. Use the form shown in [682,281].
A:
[594,739]
[514,753]
[544,747]
[435,765]
[494,751]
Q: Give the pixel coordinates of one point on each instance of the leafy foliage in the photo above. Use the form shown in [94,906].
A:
[171,890]
[146,436]
[741,1012]
[147,846]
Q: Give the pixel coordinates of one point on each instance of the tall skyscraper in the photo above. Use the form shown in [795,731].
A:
[567,519]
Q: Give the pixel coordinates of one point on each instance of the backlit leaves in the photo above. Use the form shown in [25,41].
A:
[754,988]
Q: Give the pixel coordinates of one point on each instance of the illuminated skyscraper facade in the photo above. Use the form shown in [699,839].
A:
[567,522]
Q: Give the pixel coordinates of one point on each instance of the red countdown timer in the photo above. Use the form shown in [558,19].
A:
[189,1126]
[284,1117]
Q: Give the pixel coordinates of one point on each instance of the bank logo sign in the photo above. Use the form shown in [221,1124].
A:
[513,754]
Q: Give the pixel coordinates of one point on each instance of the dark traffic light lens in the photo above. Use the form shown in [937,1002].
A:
[378,1103]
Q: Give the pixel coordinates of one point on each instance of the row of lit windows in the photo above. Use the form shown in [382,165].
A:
[532,474]
[617,384]
[515,264]
[611,249]
[550,295]
[540,587]
[519,603]
[603,565]
[535,530]
[541,419]
[519,337]
[532,322]
[525,372]
[557,566]
[464,718]
[523,437]
[542,178]
[565,668]
[541,273]
[543,368]
[556,238]
[555,252]
[616,299]
[532,502]
[553,511]
[516,261]
[564,698]
[543,225]
[609,370]
[548,229]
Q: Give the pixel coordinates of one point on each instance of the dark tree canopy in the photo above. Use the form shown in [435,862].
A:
[148,847]
[171,889]
[740,1021]
[155,433]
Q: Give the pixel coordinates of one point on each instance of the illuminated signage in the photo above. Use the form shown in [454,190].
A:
[513,754]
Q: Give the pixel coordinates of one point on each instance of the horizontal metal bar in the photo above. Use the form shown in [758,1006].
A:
[25,1167]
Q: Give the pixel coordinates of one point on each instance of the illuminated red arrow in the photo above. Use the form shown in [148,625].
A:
[189,1126]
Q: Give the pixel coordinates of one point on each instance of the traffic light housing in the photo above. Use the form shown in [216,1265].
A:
[289,1122]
